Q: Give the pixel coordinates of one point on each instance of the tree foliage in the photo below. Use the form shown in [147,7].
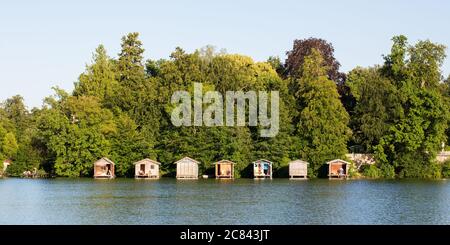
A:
[322,121]
[121,107]
[302,48]
[376,108]
[411,143]
[99,79]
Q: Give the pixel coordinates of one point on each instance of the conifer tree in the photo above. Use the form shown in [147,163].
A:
[99,79]
[322,121]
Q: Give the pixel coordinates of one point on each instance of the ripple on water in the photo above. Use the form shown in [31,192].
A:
[242,201]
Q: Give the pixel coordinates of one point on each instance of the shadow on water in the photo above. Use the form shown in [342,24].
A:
[282,172]
[323,171]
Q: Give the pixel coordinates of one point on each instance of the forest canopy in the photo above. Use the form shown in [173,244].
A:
[120,108]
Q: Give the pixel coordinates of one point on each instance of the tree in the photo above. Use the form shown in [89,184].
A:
[447,98]
[16,111]
[121,109]
[447,82]
[17,134]
[394,63]
[137,94]
[277,65]
[128,146]
[424,63]
[377,106]
[130,63]
[9,145]
[130,74]
[303,48]
[410,144]
[220,72]
[417,135]
[75,134]
[99,79]
[322,122]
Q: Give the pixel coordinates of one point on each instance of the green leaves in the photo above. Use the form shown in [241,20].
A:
[128,146]
[99,79]
[76,134]
[415,135]
[120,108]
[322,121]
[221,72]
[377,104]
[9,145]
[130,63]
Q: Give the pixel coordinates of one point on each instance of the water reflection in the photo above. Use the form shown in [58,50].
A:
[243,201]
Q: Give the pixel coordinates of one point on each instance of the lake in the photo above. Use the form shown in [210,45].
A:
[240,201]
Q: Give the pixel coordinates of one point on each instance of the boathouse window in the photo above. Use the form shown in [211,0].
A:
[152,166]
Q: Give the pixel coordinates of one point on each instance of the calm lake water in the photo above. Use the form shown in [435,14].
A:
[168,201]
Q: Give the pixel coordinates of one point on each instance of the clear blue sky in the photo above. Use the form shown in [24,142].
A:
[48,43]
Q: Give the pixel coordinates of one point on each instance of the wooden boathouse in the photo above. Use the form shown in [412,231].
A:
[104,169]
[187,168]
[224,169]
[298,169]
[262,169]
[338,169]
[146,169]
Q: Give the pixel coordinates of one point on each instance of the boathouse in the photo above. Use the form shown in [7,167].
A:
[104,169]
[262,169]
[298,169]
[146,169]
[187,168]
[224,169]
[338,169]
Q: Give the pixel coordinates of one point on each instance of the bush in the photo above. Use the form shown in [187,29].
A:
[423,171]
[417,165]
[42,174]
[387,171]
[445,172]
[353,172]
[433,171]
[371,171]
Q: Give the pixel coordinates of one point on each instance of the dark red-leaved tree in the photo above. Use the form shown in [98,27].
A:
[302,48]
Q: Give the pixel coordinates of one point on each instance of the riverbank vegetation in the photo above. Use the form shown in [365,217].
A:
[120,108]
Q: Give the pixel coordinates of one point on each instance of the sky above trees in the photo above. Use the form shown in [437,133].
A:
[43,43]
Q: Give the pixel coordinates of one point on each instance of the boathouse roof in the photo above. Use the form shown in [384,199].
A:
[224,161]
[147,160]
